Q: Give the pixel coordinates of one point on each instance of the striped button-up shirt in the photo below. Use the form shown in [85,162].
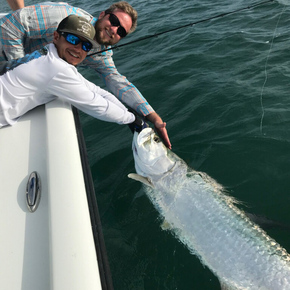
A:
[32,27]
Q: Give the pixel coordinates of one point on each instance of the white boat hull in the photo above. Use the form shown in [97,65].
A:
[52,248]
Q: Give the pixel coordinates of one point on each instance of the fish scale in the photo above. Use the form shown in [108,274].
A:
[208,222]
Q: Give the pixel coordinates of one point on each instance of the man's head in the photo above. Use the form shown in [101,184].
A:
[74,38]
[115,23]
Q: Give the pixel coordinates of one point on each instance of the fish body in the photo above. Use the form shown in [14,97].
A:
[207,221]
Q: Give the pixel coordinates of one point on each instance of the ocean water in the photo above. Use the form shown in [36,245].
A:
[223,88]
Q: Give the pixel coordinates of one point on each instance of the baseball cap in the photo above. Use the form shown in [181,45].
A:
[79,26]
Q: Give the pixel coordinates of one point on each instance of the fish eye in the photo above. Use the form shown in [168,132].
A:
[156,139]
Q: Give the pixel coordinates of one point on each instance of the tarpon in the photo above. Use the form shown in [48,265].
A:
[207,220]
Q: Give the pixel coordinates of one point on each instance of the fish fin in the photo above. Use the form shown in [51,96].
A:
[141,178]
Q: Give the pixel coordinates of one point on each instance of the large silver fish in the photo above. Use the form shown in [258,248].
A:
[207,220]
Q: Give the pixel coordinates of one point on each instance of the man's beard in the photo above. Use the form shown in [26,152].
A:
[98,37]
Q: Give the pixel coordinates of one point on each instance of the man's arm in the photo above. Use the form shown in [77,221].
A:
[12,38]
[126,92]
[16,4]
[70,86]
[160,127]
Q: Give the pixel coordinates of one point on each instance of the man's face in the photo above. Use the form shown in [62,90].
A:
[106,33]
[73,54]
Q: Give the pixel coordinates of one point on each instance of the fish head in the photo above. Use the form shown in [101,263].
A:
[150,154]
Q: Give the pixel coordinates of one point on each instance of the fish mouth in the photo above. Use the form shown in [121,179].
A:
[144,136]
[140,138]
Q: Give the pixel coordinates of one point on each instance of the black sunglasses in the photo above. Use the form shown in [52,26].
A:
[114,20]
[75,40]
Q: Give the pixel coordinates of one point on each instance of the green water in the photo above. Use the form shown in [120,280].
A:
[222,86]
[223,89]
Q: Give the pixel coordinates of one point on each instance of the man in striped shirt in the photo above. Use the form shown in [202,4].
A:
[32,27]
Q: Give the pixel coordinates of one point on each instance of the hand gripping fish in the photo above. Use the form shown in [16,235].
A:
[207,220]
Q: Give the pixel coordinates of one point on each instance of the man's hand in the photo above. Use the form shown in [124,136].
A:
[16,4]
[160,127]
[138,125]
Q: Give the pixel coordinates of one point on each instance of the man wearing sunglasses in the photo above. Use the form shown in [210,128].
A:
[32,27]
[54,75]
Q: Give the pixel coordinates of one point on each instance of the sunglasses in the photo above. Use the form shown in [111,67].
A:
[114,20]
[75,40]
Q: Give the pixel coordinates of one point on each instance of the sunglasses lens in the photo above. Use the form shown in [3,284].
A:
[121,31]
[87,46]
[73,39]
[114,20]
